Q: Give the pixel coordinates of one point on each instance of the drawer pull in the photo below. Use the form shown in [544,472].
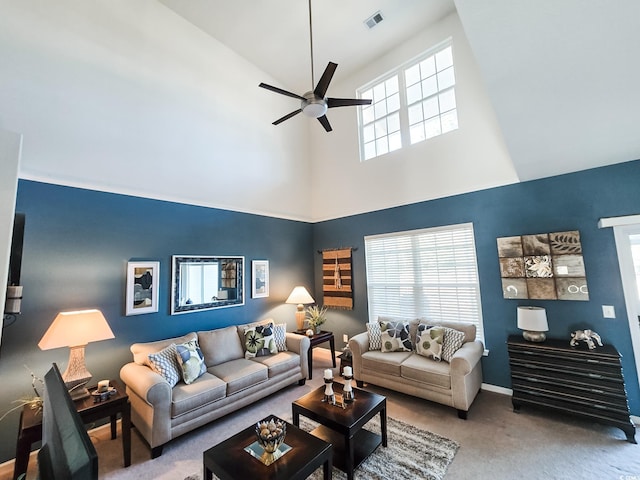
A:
[590,360]
[595,390]
[595,375]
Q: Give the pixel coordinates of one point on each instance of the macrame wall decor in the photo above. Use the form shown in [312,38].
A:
[336,278]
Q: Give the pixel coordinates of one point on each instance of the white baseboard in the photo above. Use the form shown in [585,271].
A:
[496,389]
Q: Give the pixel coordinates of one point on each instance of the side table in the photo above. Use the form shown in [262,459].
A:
[316,340]
[30,430]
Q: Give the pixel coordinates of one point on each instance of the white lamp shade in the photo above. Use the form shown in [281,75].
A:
[71,329]
[533,319]
[300,295]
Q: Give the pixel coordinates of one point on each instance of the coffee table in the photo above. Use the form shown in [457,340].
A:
[343,427]
[229,461]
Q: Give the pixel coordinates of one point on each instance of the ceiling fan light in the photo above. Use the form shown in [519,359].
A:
[315,110]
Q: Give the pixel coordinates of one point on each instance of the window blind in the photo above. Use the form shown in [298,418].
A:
[428,273]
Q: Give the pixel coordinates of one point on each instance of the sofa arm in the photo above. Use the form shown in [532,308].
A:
[146,384]
[358,344]
[466,358]
[300,344]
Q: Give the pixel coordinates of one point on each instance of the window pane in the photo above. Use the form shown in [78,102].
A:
[367,133]
[392,85]
[414,94]
[380,109]
[395,141]
[369,150]
[367,94]
[449,121]
[415,113]
[393,123]
[367,115]
[416,132]
[432,127]
[381,146]
[428,67]
[412,75]
[378,93]
[393,102]
[444,58]
[446,78]
[429,87]
[381,128]
[447,100]
[430,106]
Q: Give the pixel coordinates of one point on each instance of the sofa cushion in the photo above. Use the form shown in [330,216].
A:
[280,336]
[387,363]
[395,337]
[240,374]
[259,341]
[469,329]
[429,342]
[220,345]
[165,363]
[280,363]
[141,351]
[453,340]
[373,329]
[205,389]
[191,361]
[424,370]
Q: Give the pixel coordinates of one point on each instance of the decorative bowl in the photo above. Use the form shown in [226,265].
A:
[270,433]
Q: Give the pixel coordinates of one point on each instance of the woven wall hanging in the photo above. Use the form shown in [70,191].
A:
[336,279]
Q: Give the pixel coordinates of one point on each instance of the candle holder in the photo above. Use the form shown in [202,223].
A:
[347,391]
[329,396]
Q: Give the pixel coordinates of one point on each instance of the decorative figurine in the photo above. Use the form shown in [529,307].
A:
[587,336]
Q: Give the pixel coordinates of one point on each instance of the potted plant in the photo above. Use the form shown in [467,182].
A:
[316,317]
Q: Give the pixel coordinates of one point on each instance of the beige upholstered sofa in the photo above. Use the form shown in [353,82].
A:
[455,383]
[231,381]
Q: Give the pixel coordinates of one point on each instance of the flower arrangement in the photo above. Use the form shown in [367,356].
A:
[34,401]
[316,316]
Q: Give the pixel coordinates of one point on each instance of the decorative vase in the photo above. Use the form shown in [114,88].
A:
[270,434]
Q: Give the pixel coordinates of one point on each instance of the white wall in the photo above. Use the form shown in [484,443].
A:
[9,162]
[471,158]
[128,97]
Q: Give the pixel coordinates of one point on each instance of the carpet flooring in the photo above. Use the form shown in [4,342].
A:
[495,443]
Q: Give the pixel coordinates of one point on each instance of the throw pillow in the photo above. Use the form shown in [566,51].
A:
[280,335]
[191,361]
[395,337]
[259,341]
[165,363]
[429,341]
[453,340]
[373,329]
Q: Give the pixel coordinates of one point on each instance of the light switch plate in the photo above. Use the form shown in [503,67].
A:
[608,311]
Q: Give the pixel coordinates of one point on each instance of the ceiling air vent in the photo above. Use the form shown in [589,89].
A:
[374,19]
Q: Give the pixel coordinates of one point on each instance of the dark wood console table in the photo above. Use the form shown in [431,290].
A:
[574,380]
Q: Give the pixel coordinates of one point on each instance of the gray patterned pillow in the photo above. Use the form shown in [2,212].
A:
[453,340]
[259,341]
[191,361]
[165,363]
[373,329]
[280,335]
[395,337]
[429,341]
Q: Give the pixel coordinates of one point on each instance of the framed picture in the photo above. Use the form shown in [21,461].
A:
[142,287]
[259,278]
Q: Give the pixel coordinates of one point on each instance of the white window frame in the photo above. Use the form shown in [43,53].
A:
[455,287]
[403,139]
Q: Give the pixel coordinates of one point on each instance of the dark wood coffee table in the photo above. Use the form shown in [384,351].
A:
[229,461]
[343,428]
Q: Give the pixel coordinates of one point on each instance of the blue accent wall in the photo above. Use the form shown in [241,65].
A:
[567,202]
[76,247]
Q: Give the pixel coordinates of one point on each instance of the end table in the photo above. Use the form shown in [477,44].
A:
[316,340]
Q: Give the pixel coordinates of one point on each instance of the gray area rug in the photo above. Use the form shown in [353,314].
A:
[411,453]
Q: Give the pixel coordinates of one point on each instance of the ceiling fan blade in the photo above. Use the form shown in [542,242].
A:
[323,83]
[280,91]
[287,116]
[346,102]
[325,123]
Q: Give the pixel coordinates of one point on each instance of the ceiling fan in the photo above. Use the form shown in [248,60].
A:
[314,103]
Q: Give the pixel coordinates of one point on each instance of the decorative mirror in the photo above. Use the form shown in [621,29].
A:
[202,283]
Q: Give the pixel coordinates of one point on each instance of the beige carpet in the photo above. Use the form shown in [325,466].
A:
[495,443]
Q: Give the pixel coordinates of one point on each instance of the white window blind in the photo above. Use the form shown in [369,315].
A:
[429,273]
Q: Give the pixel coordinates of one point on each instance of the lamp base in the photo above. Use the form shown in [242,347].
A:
[300,317]
[532,336]
[76,376]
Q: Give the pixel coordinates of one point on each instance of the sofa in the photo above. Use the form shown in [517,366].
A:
[453,377]
[220,371]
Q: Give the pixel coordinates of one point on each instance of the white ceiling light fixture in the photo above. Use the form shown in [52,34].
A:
[314,103]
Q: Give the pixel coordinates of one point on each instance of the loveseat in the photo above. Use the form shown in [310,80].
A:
[219,371]
[443,365]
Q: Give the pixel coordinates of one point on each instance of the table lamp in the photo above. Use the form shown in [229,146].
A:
[75,330]
[300,296]
[533,322]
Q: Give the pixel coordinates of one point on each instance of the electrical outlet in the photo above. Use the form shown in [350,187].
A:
[608,311]
[345,338]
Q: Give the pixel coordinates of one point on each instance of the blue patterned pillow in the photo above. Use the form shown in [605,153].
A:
[165,363]
[191,360]
[259,341]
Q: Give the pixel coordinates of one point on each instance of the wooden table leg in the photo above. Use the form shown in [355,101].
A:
[126,434]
